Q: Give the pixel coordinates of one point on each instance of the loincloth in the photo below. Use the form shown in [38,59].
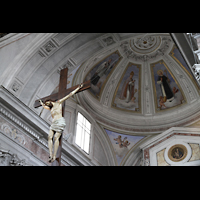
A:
[58,125]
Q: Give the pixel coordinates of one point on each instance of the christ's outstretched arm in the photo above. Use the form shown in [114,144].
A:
[46,107]
[71,94]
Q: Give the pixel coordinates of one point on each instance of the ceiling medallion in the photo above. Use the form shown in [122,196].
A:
[177,153]
[145,45]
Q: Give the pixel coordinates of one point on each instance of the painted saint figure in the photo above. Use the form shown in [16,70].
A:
[58,123]
[177,154]
[163,81]
[128,89]
[102,69]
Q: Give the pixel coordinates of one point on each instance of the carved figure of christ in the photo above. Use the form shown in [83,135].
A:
[56,103]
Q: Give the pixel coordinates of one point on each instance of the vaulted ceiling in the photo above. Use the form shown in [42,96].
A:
[34,73]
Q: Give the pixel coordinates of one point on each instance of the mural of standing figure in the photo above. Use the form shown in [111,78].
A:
[102,69]
[163,81]
[128,89]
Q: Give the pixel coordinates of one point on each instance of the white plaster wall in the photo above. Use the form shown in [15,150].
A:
[98,151]
[12,49]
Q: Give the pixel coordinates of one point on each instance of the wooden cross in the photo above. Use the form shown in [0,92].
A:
[62,92]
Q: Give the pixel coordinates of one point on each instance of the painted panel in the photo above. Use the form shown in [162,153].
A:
[100,73]
[160,158]
[175,53]
[122,143]
[127,95]
[177,56]
[167,91]
[195,152]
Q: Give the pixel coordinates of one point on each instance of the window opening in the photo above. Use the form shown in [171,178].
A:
[83,127]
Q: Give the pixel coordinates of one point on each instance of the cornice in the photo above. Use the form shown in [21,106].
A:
[14,117]
[165,134]
[12,102]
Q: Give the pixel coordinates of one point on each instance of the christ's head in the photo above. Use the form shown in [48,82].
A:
[49,104]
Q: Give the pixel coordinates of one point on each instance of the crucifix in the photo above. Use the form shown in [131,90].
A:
[56,100]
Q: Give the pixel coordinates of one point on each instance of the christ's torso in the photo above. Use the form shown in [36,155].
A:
[56,111]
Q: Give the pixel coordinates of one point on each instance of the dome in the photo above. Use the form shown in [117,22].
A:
[145,82]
